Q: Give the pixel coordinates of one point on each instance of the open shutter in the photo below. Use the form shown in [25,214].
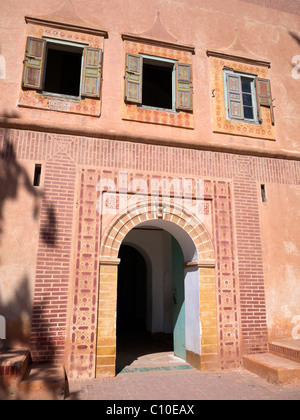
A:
[92,73]
[134,78]
[184,88]
[264,96]
[34,63]
[234,96]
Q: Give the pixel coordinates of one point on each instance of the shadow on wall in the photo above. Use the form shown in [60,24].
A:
[17,312]
[9,391]
[12,176]
[16,293]
[295,37]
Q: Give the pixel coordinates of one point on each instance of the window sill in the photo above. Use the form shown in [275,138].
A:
[60,95]
[172,111]
[61,103]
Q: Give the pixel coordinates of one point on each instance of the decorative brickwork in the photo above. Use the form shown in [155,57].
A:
[84,296]
[53,261]
[251,275]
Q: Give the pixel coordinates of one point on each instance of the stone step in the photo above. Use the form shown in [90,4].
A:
[43,382]
[273,368]
[289,349]
[13,365]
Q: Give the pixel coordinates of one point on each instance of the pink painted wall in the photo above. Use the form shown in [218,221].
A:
[229,26]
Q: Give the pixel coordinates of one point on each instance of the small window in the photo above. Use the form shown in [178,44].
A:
[37,175]
[240,98]
[263,193]
[62,68]
[159,83]
[244,95]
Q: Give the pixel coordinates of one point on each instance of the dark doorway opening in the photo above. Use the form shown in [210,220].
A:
[132,293]
[133,339]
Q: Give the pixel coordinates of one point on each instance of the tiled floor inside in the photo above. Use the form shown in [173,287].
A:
[143,353]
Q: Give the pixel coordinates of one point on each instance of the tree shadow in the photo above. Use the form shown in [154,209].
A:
[12,176]
[18,310]
[295,37]
[50,377]
[49,231]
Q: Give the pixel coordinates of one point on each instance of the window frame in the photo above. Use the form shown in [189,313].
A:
[255,105]
[151,59]
[67,44]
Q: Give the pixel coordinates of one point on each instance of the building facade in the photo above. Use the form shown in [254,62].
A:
[150,171]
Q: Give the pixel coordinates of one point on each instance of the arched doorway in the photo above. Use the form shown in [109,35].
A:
[199,267]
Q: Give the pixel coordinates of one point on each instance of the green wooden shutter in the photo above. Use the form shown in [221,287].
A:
[134,78]
[92,73]
[234,96]
[184,88]
[264,97]
[34,63]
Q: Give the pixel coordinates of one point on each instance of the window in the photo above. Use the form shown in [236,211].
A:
[158,82]
[244,94]
[37,175]
[62,68]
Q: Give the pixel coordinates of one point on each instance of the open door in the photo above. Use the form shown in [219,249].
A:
[178,300]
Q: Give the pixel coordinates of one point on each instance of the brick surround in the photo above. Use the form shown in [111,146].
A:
[234,184]
[53,263]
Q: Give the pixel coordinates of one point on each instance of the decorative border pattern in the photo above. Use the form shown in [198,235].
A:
[220,124]
[133,112]
[31,99]
[84,314]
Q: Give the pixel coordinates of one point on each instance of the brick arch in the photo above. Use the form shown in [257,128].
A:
[199,272]
[148,212]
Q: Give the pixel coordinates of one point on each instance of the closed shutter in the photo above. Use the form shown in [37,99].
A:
[264,97]
[34,63]
[133,78]
[184,88]
[92,73]
[234,96]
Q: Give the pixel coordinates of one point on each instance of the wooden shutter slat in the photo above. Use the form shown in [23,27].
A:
[34,63]
[234,96]
[92,73]
[133,78]
[184,88]
[264,97]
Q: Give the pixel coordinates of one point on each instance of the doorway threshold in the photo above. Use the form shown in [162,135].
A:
[156,362]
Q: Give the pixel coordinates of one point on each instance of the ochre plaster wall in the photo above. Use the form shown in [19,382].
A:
[19,222]
[280,221]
